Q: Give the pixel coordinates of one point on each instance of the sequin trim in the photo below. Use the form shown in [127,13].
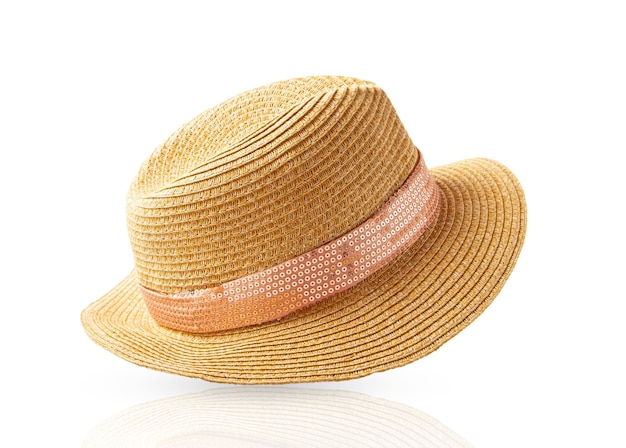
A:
[311,277]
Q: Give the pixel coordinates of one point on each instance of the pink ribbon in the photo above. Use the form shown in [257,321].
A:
[311,277]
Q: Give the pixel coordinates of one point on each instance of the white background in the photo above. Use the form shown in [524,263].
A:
[88,90]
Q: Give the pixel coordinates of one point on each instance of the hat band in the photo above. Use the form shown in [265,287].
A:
[311,277]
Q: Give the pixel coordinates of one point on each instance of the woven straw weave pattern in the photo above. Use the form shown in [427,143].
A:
[262,178]
[274,173]
[403,312]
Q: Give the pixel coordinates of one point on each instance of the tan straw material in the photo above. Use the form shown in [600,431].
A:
[279,171]
[277,417]
[311,277]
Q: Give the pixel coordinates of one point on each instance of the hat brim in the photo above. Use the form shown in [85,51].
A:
[401,313]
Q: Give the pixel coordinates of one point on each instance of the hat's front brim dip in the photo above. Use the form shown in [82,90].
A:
[401,313]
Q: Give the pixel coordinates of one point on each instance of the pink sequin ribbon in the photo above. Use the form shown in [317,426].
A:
[311,277]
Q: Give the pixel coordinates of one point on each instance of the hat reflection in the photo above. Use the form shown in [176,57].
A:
[262,417]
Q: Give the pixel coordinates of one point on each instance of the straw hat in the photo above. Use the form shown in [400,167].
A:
[293,234]
[280,417]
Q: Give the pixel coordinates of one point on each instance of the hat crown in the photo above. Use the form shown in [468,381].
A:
[263,177]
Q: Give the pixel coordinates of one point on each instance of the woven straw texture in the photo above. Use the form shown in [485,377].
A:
[278,418]
[276,172]
[262,178]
